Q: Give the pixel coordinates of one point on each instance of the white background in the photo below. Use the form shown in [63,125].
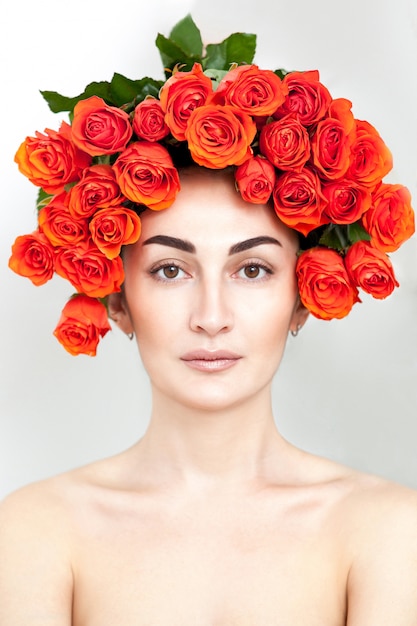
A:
[347,389]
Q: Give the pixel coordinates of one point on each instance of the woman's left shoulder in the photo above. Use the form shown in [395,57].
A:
[383,501]
[380,534]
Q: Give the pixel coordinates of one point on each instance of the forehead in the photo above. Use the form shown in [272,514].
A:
[209,209]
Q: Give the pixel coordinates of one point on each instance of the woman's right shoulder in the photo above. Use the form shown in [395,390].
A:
[36,579]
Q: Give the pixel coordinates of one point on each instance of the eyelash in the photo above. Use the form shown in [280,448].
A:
[155,271]
[256,264]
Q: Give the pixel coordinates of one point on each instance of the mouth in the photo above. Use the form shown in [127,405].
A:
[210,361]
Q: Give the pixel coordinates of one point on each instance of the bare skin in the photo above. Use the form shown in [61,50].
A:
[212,518]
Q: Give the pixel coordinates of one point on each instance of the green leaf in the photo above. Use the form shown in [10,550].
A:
[335,237]
[43,199]
[124,90]
[356,232]
[171,54]
[187,37]
[58,102]
[238,48]
[215,76]
[281,73]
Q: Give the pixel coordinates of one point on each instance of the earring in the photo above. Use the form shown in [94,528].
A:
[130,335]
[294,333]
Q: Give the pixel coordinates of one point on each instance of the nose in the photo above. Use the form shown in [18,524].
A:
[211,308]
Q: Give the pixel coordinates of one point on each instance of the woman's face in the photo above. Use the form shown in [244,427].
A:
[211,294]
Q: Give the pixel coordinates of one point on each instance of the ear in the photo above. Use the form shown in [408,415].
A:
[299,316]
[119,313]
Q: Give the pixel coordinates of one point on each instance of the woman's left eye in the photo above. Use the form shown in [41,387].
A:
[253,271]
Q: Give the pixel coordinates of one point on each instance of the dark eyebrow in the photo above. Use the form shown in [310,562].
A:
[187,246]
[251,243]
[172,242]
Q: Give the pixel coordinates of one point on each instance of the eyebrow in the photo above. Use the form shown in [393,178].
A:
[187,246]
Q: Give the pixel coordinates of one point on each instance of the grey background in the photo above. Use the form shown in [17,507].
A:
[346,389]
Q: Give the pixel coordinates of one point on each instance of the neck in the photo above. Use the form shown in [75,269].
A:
[222,447]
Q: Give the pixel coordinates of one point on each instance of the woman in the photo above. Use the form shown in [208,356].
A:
[212,517]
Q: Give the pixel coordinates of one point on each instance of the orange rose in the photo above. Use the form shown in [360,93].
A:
[307,100]
[332,141]
[82,323]
[346,201]
[181,95]
[98,128]
[89,271]
[59,226]
[219,136]
[390,220]
[146,175]
[33,257]
[371,160]
[254,91]
[113,228]
[299,201]
[370,269]
[51,161]
[286,144]
[324,284]
[255,179]
[97,189]
[148,121]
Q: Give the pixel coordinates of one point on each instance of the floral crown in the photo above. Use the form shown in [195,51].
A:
[286,137]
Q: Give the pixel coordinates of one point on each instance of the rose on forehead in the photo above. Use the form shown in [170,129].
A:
[146,175]
[255,179]
[299,201]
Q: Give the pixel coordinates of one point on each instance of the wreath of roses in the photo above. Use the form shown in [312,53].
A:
[287,139]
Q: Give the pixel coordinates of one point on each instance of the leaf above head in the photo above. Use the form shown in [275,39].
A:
[171,55]
[58,102]
[238,48]
[187,37]
[356,232]
[125,91]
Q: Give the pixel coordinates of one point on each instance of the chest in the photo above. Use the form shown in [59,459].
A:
[210,568]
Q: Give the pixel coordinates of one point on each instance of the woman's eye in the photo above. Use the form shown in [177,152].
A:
[168,272]
[253,270]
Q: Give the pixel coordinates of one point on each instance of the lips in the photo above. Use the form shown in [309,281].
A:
[211,361]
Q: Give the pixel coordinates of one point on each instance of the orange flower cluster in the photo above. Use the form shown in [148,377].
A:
[288,140]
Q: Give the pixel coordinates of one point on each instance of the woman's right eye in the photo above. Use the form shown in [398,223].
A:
[168,272]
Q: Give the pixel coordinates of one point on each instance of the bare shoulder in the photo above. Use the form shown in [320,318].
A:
[380,530]
[35,564]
